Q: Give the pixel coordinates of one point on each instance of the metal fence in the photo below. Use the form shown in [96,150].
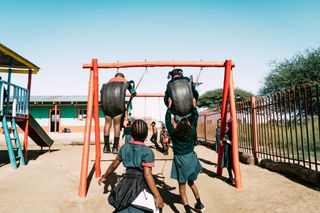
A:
[282,126]
[207,125]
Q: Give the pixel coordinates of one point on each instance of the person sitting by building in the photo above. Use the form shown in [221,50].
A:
[165,140]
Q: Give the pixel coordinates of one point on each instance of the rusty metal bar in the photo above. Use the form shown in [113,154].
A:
[318,104]
[291,134]
[295,123]
[281,128]
[262,126]
[274,143]
[246,123]
[312,123]
[301,129]
[254,137]
[277,142]
[305,103]
[265,127]
[285,123]
[258,109]
[269,133]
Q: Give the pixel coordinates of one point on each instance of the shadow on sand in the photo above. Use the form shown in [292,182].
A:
[169,198]
[165,190]
[32,155]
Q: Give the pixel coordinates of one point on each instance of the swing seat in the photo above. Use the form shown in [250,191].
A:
[113,98]
[180,92]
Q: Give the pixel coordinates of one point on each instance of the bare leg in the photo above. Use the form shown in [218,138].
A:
[183,194]
[199,206]
[107,125]
[194,189]
[116,125]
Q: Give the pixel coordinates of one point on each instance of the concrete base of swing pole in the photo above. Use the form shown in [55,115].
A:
[293,170]
[246,158]
[243,157]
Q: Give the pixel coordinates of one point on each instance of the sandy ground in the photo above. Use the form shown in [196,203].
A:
[50,181]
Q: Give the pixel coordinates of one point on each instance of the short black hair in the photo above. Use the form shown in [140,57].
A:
[139,130]
[119,74]
[175,72]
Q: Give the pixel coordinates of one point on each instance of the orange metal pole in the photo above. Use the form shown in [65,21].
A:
[96,116]
[26,128]
[234,123]
[86,142]
[228,65]
[159,64]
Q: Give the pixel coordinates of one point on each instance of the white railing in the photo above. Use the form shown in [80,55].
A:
[17,105]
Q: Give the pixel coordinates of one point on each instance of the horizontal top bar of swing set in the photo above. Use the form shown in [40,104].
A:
[151,95]
[159,64]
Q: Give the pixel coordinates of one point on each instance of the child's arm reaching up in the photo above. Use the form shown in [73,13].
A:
[152,186]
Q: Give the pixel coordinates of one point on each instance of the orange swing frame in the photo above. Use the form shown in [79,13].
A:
[93,106]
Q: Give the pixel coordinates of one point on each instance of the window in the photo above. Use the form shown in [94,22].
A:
[82,114]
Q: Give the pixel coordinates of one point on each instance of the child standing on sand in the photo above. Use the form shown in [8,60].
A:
[227,153]
[137,191]
[185,164]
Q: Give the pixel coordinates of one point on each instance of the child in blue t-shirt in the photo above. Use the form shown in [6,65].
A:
[137,191]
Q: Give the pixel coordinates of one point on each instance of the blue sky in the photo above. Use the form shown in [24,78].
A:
[60,35]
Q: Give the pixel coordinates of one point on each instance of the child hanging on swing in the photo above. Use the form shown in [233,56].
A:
[137,191]
[177,74]
[185,164]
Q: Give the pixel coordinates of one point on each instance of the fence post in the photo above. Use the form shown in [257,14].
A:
[205,125]
[254,129]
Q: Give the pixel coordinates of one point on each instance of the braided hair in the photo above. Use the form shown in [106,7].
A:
[139,130]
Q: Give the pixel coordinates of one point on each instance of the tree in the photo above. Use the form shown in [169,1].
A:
[213,98]
[300,69]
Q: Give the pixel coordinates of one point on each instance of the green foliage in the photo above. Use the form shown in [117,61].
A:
[300,69]
[213,98]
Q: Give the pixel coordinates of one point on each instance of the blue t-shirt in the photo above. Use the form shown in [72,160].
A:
[136,155]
